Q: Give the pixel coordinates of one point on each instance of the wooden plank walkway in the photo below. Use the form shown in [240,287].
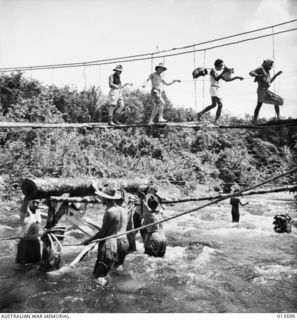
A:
[187,125]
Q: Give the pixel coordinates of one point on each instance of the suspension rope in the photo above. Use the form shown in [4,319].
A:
[273,55]
[203,81]
[84,76]
[152,63]
[147,56]
[100,77]
[195,84]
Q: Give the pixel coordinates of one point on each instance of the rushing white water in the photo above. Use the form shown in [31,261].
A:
[211,265]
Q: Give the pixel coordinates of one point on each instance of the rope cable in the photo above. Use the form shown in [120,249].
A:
[146,56]
[273,55]
[84,76]
[195,84]
[203,82]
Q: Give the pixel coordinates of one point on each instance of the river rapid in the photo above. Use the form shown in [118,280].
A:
[211,265]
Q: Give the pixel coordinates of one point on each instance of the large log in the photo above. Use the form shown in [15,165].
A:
[39,188]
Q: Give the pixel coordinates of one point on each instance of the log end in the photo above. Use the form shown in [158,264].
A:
[29,188]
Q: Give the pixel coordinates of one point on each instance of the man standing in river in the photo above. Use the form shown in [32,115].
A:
[234,201]
[111,252]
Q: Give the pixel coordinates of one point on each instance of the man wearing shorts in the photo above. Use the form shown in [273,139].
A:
[157,92]
[111,252]
[216,74]
[115,97]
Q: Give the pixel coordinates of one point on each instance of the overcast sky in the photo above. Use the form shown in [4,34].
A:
[48,32]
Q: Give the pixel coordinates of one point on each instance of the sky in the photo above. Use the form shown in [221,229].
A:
[37,32]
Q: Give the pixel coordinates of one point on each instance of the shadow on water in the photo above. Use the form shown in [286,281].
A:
[210,265]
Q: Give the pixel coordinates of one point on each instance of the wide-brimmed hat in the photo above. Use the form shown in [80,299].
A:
[118,68]
[109,193]
[161,66]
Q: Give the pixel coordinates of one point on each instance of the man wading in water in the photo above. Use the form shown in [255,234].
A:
[28,250]
[235,208]
[112,252]
[154,238]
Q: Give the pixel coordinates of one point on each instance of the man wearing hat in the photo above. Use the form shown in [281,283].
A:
[157,92]
[111,252]
[262,76]
[115,95]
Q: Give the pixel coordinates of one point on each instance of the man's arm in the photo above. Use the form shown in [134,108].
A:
[111,84]
[107,220]
[243,204]
[147,80]
[231,79]
[257,73]
[217,78]
[170,83]
[276,75]
[126,84]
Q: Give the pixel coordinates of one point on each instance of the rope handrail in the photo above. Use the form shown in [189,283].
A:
[148,56]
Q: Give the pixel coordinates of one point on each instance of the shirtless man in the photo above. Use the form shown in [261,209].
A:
[234,201]
[28,250]
[154,238]
[157,93]
[112,252]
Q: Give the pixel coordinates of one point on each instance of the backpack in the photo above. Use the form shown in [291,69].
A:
[199,72]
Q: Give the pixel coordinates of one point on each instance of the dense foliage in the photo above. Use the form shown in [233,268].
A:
[202,156]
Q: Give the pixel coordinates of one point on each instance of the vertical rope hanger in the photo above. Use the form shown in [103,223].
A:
[273,58]
[100,76]
[273,54]
[203,81]
[52,76]
[152,63]
[195,84]
[84,76]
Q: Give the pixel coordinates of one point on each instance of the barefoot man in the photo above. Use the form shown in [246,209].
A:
[262,76]
[112,252]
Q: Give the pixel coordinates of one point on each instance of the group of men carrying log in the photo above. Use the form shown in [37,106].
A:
[119,217]
[219,72]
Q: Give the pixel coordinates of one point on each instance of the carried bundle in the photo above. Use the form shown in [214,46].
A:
[199,72]
[282,223]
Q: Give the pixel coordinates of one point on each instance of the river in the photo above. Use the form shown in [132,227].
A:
[210,266]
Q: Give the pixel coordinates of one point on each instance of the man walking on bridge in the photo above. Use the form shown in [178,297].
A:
[262,76]
[115,96]
[158,93]
[216,74]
